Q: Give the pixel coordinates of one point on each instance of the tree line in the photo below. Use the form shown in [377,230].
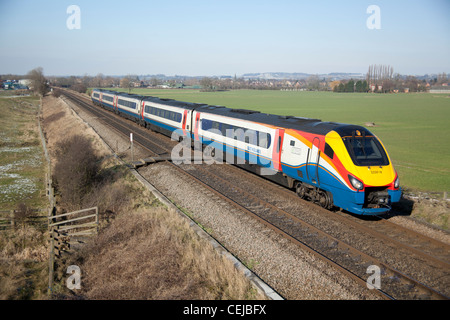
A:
[379,78]
[352,86]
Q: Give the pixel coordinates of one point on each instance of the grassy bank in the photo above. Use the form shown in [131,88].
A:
[23,252]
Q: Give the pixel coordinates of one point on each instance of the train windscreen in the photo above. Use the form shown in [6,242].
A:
[366,151]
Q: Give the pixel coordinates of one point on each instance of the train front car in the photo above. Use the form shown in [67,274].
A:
[368,183]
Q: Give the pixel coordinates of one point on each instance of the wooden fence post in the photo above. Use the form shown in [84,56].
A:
[51,260]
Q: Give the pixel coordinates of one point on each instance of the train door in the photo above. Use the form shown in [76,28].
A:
[195,118]
[277,149]
[115,102]
[313,161]
[185,123]
[196,126]
[141,112]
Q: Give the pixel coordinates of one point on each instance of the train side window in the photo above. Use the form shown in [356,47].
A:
[251,137]
[206,124]
[225,127]
[329,151]
[239,134]
[292,143]
[216,125]
[264,140]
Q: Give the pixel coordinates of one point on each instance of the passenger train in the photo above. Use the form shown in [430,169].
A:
[331,164]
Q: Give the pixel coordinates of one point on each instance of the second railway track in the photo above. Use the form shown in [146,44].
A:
[412,266]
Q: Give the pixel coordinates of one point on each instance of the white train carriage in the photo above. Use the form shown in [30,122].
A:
[237,140]
[250,139]
[129,106]
[167,116]
[104,98]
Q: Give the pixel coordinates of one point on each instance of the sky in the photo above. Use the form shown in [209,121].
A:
[210,37]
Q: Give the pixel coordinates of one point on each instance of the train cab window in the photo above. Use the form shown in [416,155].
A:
[366,151]
[329,151]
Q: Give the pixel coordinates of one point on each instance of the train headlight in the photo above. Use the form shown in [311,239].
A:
[397,183]
[358,185]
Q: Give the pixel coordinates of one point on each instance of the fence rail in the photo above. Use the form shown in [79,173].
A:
[8,219]
[63,228]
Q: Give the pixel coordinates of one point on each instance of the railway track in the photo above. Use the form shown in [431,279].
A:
[293,223]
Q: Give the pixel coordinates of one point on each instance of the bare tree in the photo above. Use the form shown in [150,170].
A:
[442,78]
[207,84]
[97,81]
[313,82]
[380,75]
[38,80]
[154,82]
[126,83]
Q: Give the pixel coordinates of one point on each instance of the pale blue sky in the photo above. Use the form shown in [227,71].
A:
[200,37]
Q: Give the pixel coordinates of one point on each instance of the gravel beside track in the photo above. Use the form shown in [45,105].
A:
[294,273]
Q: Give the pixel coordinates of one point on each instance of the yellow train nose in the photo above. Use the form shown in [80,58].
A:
[376,175]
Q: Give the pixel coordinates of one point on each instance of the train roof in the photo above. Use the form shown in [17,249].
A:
[310,125]
[315,126]
[174,103]
[167,102]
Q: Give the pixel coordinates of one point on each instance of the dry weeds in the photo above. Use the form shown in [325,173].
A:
[153,254]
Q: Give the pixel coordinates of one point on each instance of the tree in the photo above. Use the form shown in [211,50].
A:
[97,81]
[207,84]
[154,82]
[334,85]
[377,75]
[38,81]
[125,83]
[442,78]
[350,86]
[365,86]
[313,82]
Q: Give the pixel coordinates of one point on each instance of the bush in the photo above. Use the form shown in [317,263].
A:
[56,92]
[76,170]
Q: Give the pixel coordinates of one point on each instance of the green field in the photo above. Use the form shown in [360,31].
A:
[414,127]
